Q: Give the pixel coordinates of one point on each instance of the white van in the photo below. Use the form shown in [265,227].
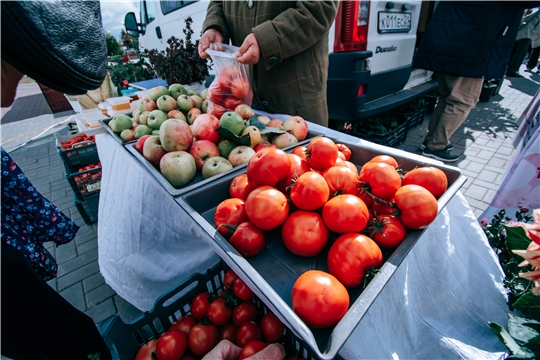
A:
[371,47]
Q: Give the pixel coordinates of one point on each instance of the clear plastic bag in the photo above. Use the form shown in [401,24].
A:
[232,85]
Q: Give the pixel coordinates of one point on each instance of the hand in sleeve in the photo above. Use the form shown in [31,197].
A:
[226,350]
[249,52]
[210,39]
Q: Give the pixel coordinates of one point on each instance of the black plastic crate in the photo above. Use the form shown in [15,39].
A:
[125,340]
[413,118]
[80,155]
[88,208]
[397,136]
[86,183]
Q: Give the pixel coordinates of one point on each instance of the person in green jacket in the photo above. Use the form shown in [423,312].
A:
[287,43]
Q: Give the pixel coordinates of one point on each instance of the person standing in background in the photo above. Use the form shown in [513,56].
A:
[287,42]
[527,27]
[535,53]
[64,48]
[465,42]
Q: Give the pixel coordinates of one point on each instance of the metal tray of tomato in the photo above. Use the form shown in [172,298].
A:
[198,180]
[116,137]
[273,272]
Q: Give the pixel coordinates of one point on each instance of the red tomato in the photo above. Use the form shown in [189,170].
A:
[229,278]
[230,103]
[268,166]
[171,346]
[341,156]
[417,205]
[304,233]
[202,338]
[248,331]
[381,208]
[272,328]
[385,159]
[246,311]
[251,348]
[351,166]
[300,151]
[228,332]
[344,149]
[267,208]
[184,324]
[382,178]
[341,180]
[242,290]
[388,232]
[223,83]
[229,212]
[239,88]
[145,352]
[240,187]
[298,168]
[321,153]
[219,313]
[345,214]
[215,109]
[429,177]
[199,305]
[248,239]
[339,162]
[351,256]
[319,299]
[310,191]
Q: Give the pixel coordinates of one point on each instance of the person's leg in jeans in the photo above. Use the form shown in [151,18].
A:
[518,55]
[533,59]
[464,94]
[37,322]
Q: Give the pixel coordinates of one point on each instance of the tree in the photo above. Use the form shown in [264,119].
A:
[113,48]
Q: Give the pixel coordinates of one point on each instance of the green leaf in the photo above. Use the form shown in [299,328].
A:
[519,330]
[504,337]
[516,239]
[240,140]
[533,345]
[529,305]
[254,121]
[272,130]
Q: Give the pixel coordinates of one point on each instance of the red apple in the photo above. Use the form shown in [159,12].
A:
[205,128]
[245,111]
[153,151]
[297,126]
[263,145]
[202,150]
[175,135]
[140,143]
[276,123]
[146,104]
[192,115]
[176,114]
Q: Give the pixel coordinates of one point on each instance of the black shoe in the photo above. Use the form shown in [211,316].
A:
[442,155]
[514,75]
[448,147]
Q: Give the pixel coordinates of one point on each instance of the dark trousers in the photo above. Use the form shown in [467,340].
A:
[533,59]
[518,55]
[37,322]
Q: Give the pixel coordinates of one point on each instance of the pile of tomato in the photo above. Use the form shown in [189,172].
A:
[231,315]
[230,89]
[317,195]
[67,145]
[88,177]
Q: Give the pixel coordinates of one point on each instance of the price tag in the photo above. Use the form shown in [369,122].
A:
[93,187]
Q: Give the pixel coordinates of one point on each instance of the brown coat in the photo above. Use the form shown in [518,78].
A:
[291,75]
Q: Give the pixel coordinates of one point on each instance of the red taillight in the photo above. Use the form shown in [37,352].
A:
[361,90]
[352,22]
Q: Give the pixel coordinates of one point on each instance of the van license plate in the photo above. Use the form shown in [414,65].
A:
[394,22]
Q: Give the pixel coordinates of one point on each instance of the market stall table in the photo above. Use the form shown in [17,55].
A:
[437,304]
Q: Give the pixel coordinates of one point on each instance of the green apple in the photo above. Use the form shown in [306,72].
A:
[185,103]
[214,166]
[155,132]
[225,147]
[193,92]
[142,130]
[166,103]
[120,123]
[233,122]
[204,94]
[157,92]
[176,90]
[156,118]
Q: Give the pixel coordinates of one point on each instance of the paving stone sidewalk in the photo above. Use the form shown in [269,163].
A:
[483,142]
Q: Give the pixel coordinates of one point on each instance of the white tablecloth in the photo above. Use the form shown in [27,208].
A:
[437,304]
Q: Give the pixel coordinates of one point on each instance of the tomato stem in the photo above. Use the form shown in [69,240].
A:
[367,189]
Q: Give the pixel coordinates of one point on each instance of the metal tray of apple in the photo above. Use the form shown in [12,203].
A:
[273,272]
[189,168]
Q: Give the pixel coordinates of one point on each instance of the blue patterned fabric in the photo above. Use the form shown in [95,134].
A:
[29,219]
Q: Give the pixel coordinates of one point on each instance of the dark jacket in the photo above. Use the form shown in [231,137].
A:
[291,75]
[470,38]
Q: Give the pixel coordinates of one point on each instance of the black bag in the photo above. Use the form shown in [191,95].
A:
[60,44]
